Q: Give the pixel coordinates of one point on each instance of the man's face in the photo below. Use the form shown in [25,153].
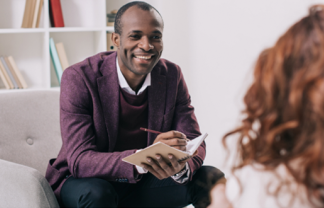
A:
[140,44]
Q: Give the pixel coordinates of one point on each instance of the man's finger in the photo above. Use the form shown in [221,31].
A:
[182,148]
[174,162]
[176,141]
[171,135]
[152,171]
[164,166]
[157,168]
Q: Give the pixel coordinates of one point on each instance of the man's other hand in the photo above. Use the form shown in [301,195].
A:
[161,169]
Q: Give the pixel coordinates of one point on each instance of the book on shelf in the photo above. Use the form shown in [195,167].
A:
[56,14]
[56,60]
[4,78]
[164,150]
[37,13]
[11,86]
[12,64]
[13,73]
[10,75]
[62,55]
[32,13]
[27,14]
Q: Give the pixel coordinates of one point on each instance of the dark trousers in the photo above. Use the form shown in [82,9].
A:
[148,192]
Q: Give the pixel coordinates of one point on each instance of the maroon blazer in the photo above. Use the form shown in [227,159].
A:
[89,108]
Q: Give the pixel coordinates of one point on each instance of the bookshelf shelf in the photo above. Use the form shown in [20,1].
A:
[29,89]
[23,30]
[84,35]
[74,29]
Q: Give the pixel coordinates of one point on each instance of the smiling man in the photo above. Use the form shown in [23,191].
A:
[104,101]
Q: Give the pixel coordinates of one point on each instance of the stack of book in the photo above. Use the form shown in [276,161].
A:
[10,75]
[33,10]
[111,17]
[59,58]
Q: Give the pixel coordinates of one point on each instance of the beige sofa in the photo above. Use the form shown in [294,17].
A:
[29,137]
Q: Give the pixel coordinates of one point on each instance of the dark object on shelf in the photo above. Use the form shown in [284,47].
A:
[56,14]
[111,18]
[110,45]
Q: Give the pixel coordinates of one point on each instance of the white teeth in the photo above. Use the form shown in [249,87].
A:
[143,57]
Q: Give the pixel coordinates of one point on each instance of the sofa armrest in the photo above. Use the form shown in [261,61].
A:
[22,186]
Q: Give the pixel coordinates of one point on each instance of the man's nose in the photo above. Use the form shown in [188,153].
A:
[145,44]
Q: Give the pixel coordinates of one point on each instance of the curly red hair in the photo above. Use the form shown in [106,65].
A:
[284,107]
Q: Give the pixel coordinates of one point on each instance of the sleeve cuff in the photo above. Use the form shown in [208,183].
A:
[140,169]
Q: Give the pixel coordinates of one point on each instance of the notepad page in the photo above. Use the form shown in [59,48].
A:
[193,145]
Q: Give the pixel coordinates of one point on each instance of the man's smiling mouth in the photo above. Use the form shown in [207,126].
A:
[144,57]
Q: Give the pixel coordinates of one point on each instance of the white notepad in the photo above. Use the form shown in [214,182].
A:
[164,150]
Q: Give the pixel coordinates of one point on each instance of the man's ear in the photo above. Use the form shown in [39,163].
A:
[115,38]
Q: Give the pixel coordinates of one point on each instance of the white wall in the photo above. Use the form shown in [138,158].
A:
[216,43]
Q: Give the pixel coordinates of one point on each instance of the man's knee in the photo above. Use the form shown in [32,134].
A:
[203,181]
[209,175]
[99,194]
[89,192]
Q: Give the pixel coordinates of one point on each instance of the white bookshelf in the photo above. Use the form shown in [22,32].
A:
[84,35]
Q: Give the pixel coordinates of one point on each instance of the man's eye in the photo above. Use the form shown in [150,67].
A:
[157,37]
[135,36]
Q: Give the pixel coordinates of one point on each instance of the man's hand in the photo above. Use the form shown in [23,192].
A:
[158,166]
[174,139]
[160,169]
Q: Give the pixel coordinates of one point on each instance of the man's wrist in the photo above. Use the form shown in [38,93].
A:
[181,172]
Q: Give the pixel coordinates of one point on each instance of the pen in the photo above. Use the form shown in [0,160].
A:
[155,132]
[149,130]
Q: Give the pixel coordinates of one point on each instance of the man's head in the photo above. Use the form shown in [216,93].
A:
[140,4]
[138,37]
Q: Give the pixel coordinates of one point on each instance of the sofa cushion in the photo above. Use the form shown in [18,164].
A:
[22,186]
[29,127]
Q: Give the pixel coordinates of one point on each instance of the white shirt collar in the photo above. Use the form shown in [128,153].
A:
[124,85]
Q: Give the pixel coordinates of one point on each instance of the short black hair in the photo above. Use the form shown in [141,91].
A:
[140,4]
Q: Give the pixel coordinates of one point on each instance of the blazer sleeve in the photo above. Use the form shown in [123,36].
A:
[79,137]
[185,121]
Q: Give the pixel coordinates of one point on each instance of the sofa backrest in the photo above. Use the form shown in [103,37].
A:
[29,127]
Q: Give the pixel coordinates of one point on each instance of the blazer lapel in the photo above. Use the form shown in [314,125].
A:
[108,88]
[156,101]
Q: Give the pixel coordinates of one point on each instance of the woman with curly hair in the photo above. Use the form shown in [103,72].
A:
[280,148]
